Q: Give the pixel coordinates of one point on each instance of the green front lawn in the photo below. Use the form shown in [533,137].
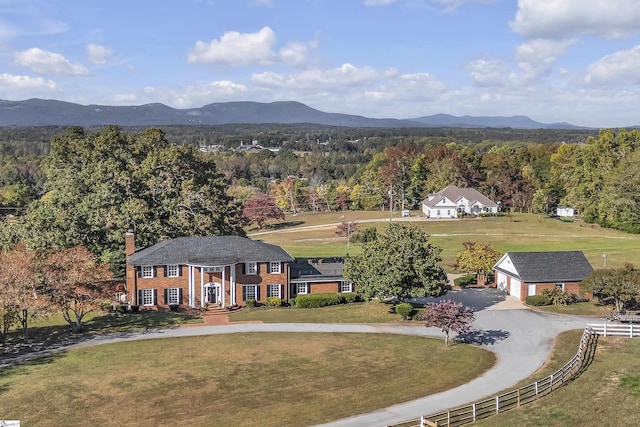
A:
[246,379]
[366,312]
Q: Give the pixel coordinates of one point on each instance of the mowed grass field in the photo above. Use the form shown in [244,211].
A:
[247,379]
[520,232]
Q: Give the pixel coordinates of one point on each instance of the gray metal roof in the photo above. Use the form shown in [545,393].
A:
[549,267]
[209,251]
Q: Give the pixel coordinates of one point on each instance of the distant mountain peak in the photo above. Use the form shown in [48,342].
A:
[39,112]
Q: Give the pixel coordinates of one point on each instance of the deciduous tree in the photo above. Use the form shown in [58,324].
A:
[448,316]
[260,209]
[398,263]
[76,283]
[477,258]
[615,286]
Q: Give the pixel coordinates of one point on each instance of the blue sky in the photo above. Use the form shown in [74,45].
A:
[552,60]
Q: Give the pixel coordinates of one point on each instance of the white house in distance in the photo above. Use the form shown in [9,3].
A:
[447,202]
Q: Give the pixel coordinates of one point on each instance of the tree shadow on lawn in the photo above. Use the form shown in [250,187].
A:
[489,337]
[45,340]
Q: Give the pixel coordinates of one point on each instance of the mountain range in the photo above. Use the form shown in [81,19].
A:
[41,112]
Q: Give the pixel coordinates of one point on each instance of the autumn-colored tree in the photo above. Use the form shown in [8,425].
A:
[20,281]
[448,316]
[76,283]
[346,229]
[260,209]
[477,258]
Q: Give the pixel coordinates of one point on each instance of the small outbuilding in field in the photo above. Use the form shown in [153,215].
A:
[523,274]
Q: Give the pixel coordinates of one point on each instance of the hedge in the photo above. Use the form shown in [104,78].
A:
[322,300]
[538,300]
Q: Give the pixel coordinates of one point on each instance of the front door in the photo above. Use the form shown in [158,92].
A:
[212,293]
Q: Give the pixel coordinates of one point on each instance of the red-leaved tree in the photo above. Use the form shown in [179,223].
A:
[260,209]
[449,316]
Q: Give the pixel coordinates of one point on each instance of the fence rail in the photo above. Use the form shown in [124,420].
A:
[512,399]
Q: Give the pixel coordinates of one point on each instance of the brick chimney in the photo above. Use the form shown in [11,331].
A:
[129,249]
[129,243]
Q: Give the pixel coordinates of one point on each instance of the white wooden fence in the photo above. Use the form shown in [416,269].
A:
[523,395]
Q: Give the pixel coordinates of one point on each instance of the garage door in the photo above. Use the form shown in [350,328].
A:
[502,281]
[515,287]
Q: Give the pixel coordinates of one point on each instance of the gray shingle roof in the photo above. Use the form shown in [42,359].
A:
[454,194]
[304,271]
[209,251]
[560,266]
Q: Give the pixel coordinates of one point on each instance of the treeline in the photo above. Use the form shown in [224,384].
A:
[331,168]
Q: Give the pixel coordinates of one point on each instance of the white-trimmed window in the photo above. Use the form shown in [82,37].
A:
[302,288]
[251,267]
[173,296]
[560,285]
[275,268]
[346,287]
[147,297]
[173,270]
[250,292]
[146,271]
[274,290]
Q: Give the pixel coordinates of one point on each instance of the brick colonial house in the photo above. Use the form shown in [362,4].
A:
[197,271]
[523,274]
[223,270]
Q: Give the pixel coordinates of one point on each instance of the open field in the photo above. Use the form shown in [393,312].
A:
[268,379]
[606,394]
[521,232]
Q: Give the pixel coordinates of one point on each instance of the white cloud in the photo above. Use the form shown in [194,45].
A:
[125,98]
[234,48]
[487,73]
[619,68]
[345,75]
[536,58]
[21,87]
[560,19]
[202,94]
[45,62]
[378,2]
[99,54]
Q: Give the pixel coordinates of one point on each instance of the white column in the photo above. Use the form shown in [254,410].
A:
[202,283]
[232,285]
[224,270]
[190,285]
[202,299]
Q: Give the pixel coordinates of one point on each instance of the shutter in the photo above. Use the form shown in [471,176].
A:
[155,297]
[180,273]
[179,295]
[166,270]
[166,294]
[282,292]
[244,268]
[140,297]
[257,292]
[139,271]
[244,292]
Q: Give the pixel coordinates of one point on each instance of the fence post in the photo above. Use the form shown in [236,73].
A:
[422,423]
[605,329]
[474,412]
[536,384]
[551,382]
[518,397]
[497,404]
[448,418]
[630,330]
